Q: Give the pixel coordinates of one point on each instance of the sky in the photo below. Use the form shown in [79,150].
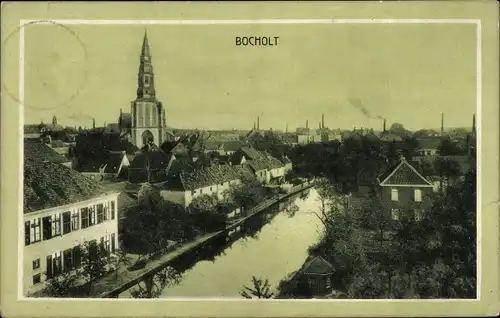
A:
[354,74]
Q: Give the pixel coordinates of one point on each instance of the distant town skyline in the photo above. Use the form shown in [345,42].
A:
[207,82]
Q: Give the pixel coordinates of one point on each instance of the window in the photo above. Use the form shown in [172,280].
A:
[66,222]
[112,210]
[417,195]
[106,211]
[85,217]
[419,214]
[395,214]
[113,243]
[35,231]
[36,264]
[36,279]
[47,227]
[76,256]
[27,232]
[107,245]
[49,271]
[56,264]
[68,260]
[92,215]
[102,248]
[394,195]
[75,221]
[100,213]
[56,224]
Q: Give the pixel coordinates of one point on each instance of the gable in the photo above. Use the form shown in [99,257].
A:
[405,174]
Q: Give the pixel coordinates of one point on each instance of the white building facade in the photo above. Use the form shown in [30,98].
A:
[52,237]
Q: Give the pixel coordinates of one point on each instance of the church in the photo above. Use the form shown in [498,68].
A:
[146,122]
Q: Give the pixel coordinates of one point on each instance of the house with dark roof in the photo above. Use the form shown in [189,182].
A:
[184,186]
[404,192]
[264,166]
[318,273]
[428,146]
[111,166]
[150,166]
[62,209]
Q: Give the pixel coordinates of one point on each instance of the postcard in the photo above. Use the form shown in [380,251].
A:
[251,159]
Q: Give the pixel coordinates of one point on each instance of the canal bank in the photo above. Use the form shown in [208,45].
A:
[126,280]
[272,246]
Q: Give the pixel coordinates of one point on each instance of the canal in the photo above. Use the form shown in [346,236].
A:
[270,246]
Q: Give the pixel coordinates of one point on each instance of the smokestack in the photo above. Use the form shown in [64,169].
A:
[384,124]
[322,120]
[307,123]
[319,125]
[442,123]
[474,123]
[258,123]
[254,125]
[93,123]
[286,129]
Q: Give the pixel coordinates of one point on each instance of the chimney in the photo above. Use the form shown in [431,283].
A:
[286,129]
[384,124]
[93,123]
[258,123]
[307,123]
[254,125]
[442,124]
[322,120]
[319,126]
[474,123]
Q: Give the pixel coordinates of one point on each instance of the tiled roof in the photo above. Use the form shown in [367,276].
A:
[212,145]
[258,164]
[48,184]
[403,174]
[39,152]
[207,176]
[318,265]
[429,143]
[251,153]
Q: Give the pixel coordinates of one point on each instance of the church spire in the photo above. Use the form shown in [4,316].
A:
[146,88]
[145,45]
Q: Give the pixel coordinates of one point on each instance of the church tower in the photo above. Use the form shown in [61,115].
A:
[148,115]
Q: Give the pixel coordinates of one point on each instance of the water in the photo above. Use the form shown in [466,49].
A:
[278,249]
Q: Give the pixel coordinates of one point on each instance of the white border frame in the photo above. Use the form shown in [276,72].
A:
[476,22]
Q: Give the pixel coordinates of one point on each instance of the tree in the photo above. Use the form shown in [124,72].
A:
[247,194]
[153,286]
[398,129]
[60,285]
[447,169]
[448,148]
[260,289]
[94,262]
[118,258]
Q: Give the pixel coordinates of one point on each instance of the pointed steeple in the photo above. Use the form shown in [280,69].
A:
[145,45]
[146,87]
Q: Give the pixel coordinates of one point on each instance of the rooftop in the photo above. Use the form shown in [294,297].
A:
[35,150]
[318,265]
[48,184]
[402,174]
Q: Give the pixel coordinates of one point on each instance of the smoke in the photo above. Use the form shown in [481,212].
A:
[358,105]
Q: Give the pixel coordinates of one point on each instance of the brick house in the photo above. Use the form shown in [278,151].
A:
[403,191]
